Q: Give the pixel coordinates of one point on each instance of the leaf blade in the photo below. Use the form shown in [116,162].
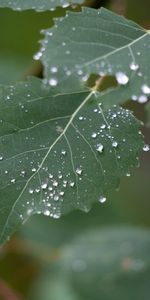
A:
[47,142]
[107,44]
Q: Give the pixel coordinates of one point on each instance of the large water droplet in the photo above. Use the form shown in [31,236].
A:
[142,99]
[145,89]
[122,78]
[53,82]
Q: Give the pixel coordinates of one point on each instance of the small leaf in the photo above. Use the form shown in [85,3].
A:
[98,42]
[38,5]
[108,264]
[59,152]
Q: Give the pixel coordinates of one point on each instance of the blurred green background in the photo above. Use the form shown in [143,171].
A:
[54,259]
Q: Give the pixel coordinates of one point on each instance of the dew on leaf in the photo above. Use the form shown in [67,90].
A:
[99,148]
[128,174]
[44,185]
[134,66]
[1,158]
[102,199]
[79,171]
[114,144]
[122,78]
[53,82]
[13,180]
[31,191]
[64,152]
[54,69]
[145,89]
[94,135]
[55,183]
[142,99]
[47,213]
[134,97]
[146,148]
[56,197]
[37,56]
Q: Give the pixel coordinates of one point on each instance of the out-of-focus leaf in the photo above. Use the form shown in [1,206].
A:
[59,152]
[110,263]
[38,5]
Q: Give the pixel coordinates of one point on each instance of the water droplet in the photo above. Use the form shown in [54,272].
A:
[114,144]
[81,118]
[64,152]
[46,212]
[146,148]
[102,199]
[44,185]
[145,89]
[134,66]
[53,82]
[99,148]
[54,69]
[128,174]
[31,191]
[55,183]
[122,78]
[134,97]
[72,184]
[103,126]
[142,99]
[56,197]
[37,56]
[13,180]
[94,135]
[79,171]
[1,158]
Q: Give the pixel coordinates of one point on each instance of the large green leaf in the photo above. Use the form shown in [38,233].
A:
[108,264]
[99,42]
[59,151]
[39,5]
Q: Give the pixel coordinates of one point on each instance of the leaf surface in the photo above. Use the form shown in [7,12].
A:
[98,42]
[59,152]
[38,5]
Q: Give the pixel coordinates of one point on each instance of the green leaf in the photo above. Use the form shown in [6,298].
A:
[38,5]
[98,42]
[59,151]
[108,264]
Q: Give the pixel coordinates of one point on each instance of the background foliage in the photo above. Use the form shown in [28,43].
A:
[49,259]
